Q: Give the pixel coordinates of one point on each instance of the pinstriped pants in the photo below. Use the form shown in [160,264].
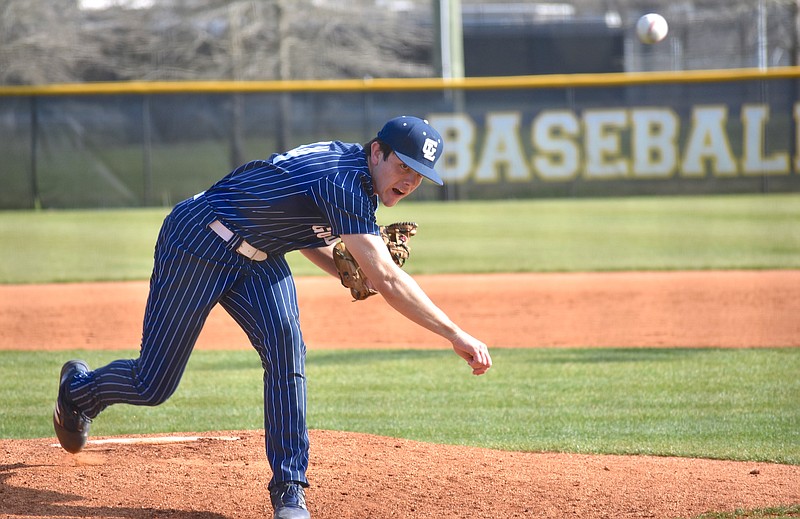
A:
[194,270]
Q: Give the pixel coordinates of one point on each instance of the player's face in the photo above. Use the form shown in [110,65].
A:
[392,179]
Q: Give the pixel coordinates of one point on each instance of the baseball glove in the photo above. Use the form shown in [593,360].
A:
[395,236]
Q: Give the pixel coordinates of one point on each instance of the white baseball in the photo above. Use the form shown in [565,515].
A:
[652,28]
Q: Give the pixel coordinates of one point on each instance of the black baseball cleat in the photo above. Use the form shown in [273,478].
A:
[71,425]
[289,501]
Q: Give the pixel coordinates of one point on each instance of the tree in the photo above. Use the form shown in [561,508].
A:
[40,43]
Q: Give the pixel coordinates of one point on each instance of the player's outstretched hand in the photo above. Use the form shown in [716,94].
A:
[474,352]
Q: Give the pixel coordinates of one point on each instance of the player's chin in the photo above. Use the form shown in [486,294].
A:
[391,198]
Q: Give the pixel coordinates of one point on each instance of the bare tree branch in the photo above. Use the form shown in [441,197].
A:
[42,41]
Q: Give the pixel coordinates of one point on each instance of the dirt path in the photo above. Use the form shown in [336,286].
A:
[676,309]
[361,476]
[225,474]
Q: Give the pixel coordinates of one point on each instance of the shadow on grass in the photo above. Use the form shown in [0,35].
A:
[619,355]
[515,355]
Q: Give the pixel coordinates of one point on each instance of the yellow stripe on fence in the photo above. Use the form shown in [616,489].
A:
[409,84]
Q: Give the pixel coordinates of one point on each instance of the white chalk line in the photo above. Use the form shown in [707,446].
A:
[156,439]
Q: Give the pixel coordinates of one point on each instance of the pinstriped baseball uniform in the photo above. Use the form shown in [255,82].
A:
[300,199]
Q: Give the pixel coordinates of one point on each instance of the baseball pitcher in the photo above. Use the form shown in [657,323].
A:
[227,246]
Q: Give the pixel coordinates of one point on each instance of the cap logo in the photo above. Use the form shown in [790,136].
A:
[429,149]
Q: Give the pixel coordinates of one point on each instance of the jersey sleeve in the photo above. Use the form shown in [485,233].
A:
[348,204]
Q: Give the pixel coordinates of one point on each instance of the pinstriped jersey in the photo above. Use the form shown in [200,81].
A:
[303,198]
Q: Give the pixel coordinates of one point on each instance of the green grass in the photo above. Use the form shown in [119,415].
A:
[689,233]
[711,403]
[778,512]
[644,233]
[727,404]
[59,246]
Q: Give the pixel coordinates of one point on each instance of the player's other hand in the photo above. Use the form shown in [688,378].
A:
[473,351]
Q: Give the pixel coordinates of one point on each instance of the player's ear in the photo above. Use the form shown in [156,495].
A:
[375,152]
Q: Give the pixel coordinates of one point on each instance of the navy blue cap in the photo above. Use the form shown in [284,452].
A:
[416,143]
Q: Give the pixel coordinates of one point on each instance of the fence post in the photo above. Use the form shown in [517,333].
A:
[147,152]
[37,201]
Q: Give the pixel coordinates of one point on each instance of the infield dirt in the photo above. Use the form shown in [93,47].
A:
[364,476]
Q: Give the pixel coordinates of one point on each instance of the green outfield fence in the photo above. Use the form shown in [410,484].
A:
[155,143]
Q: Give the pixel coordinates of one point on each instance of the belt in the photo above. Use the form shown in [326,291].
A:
[245,249]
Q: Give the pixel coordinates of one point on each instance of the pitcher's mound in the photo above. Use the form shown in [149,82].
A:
[225,474]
